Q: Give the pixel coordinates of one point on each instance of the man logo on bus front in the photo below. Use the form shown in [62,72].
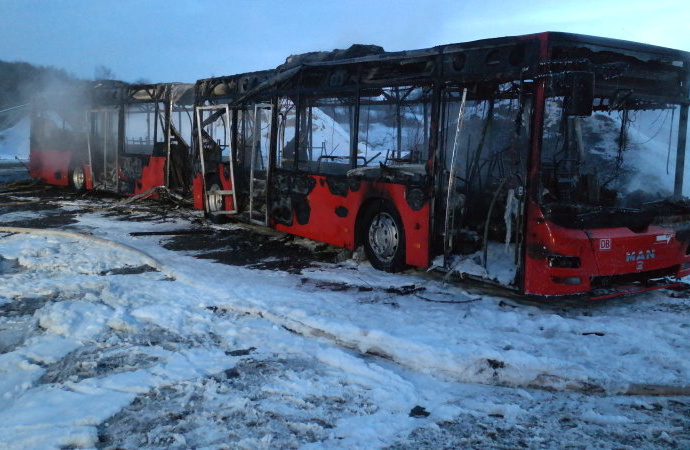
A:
[641,255]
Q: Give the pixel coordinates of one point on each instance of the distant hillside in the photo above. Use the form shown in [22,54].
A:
[18,80]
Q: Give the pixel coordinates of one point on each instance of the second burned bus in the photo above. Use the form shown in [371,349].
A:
[113,136]
[552,163]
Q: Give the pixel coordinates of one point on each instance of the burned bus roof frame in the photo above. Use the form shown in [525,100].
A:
[503,59]
[500,59]
[230,87]
[110,92]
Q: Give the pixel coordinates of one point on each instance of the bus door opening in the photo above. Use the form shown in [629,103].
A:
[103,147]
[216,161]
[254,134]
[486,148]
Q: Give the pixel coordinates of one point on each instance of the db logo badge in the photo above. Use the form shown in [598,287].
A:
[605,244]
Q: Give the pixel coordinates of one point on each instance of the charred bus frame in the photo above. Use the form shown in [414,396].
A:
[113,136]
[501,159]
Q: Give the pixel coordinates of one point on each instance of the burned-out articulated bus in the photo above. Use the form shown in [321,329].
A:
[113,136]
[552,164]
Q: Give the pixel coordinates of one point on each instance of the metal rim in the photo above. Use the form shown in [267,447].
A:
[215,201]
[78,178]
[384,236]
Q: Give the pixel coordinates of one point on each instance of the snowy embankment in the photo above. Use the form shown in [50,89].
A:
[14,141]
[14,152]
[61,268]
[195,320]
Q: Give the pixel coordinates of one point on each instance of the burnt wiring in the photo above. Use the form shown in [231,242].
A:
[670,139]
[622,146]
[485,239]
[474,171]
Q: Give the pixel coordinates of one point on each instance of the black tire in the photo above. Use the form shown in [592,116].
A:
[77,179]
[214,203]
[383,236]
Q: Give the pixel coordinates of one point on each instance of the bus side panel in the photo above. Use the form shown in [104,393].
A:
[198,187]
[88,178]
[216,176]
[332,217]
[321,215]
[226,184]
[415,222]
[541,244]
[198,191]
[417,238]
[51,165]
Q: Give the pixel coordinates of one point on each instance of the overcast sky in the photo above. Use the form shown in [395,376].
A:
[184,40]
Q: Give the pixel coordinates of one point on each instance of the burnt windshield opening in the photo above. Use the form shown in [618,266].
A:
[615,167]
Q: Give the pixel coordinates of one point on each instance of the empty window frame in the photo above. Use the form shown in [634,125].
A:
[394,125]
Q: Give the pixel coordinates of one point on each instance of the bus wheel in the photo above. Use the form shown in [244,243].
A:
[384,238]
[77,179]
[215,202]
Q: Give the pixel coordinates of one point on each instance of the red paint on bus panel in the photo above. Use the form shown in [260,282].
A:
[601,252]
[198,191]
[327,226]
[50,165]
[88,177]
[629,252]
[152,175]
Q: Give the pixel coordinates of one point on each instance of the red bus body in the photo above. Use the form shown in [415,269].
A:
[52,166]
[543,200]
[611,260]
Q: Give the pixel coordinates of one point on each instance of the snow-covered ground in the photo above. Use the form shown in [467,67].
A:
[121,342]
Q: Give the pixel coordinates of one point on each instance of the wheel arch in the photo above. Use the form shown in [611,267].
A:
[211,179]
[415,223]
[389,234]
